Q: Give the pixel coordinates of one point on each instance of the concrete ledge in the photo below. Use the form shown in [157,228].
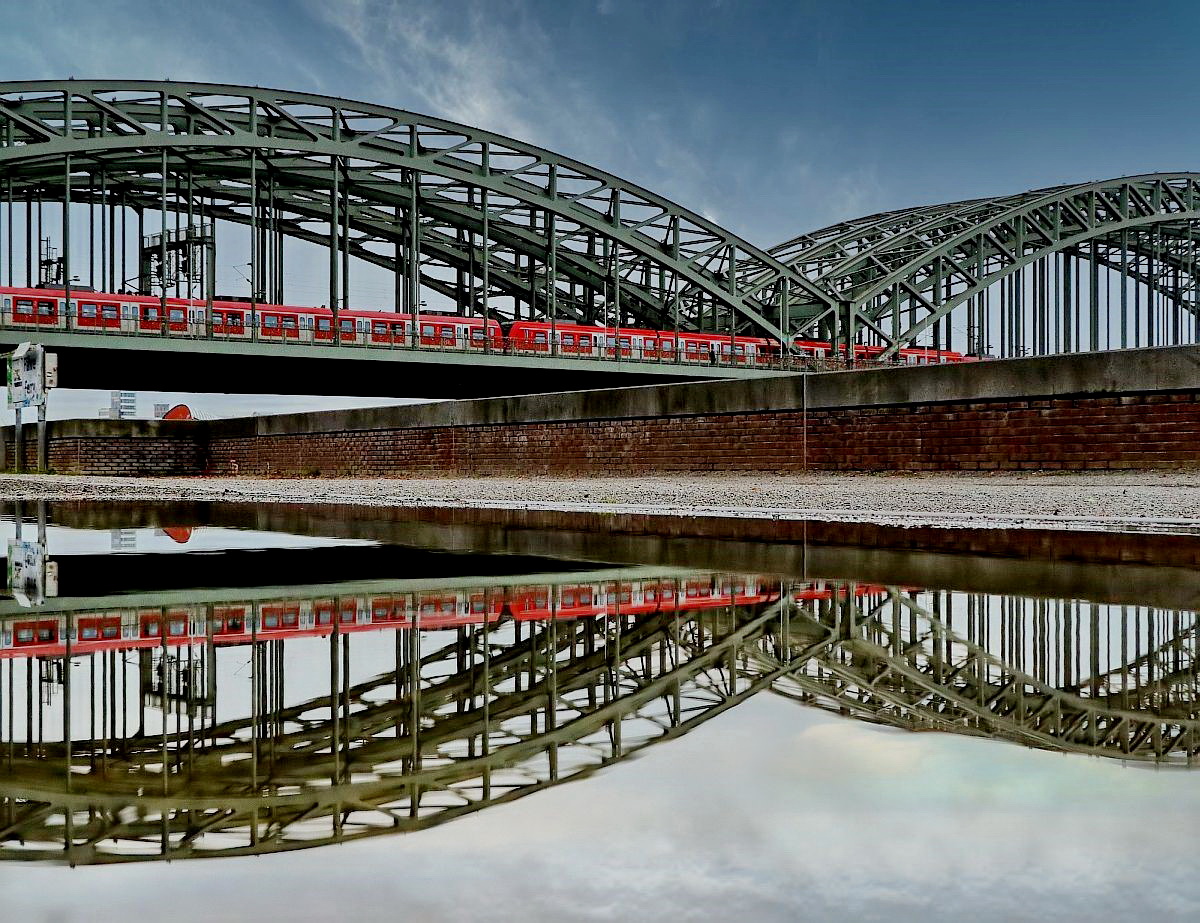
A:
[1132,371]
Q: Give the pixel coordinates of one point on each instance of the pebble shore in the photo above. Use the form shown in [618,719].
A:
[1160,501]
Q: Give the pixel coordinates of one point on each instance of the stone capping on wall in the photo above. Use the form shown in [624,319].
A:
[1131,371]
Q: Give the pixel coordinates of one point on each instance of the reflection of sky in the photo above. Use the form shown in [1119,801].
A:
[770,811]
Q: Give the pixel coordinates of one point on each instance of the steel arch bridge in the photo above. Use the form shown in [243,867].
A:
[489,226]
[486,714]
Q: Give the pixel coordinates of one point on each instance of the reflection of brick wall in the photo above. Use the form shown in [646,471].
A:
[1137,431]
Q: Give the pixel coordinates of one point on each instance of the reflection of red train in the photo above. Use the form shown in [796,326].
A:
[236,320]
[431,610]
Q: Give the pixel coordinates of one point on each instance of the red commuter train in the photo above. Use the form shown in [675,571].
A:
[235,623]
[44,308]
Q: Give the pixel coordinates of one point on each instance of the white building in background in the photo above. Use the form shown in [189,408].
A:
[122,405]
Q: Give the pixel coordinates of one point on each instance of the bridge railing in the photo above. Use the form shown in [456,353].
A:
[555,348]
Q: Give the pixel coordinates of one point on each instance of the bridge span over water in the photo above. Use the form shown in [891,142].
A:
[151,186]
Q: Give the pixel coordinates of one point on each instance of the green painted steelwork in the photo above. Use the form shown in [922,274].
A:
[904,275]
[424,196]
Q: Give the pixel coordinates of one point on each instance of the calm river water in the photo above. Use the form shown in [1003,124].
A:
[317,714]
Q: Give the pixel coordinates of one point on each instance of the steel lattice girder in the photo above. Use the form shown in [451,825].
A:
[661,677]
[935,258]
[901,665]
[574,223]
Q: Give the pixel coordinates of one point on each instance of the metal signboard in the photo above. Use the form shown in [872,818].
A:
[26,376]
[31,577]
[32,372]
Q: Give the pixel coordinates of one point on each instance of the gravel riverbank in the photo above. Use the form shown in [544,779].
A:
[1119,500]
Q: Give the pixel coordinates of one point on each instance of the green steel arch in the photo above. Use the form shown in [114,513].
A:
[1085,266]
[473,215]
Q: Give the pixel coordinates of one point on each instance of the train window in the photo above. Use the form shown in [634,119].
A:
[379,328]
[585,341]
[667,346]
[150,313]
[89,634]
[271,621]
[108,311]
[477,335]
[568,339]
[45,308]
[111,631]
[568,598]
[476,605]
[176,628]
[323,323]
[24,635]
[150,629]
[324,618]
[585,599]
[218,318]
[87,310]
[427,330]
[397,330]
[234,318]
[346,326]
[306,323]
[289,323]
[539,338]
[362,326]
[610,341]
[24,307]
[270,321]
[624,342]
[177,316]
[447,331]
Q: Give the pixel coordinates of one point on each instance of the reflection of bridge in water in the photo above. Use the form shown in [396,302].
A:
[397,722]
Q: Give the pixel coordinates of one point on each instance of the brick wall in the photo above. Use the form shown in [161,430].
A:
[1124,409]
[114,447]
[1131,431]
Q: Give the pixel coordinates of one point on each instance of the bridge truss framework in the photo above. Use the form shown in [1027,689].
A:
[484,715]
[501,228]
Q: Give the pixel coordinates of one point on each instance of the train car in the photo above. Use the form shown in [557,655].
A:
[866,352]
[100,312]
[243,622]
[541,337]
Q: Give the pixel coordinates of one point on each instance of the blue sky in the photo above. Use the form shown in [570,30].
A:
[773,118]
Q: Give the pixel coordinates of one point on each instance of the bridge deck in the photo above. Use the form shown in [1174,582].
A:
[182,363]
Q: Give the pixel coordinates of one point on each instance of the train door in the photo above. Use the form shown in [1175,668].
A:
[196,321]
[87,315]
